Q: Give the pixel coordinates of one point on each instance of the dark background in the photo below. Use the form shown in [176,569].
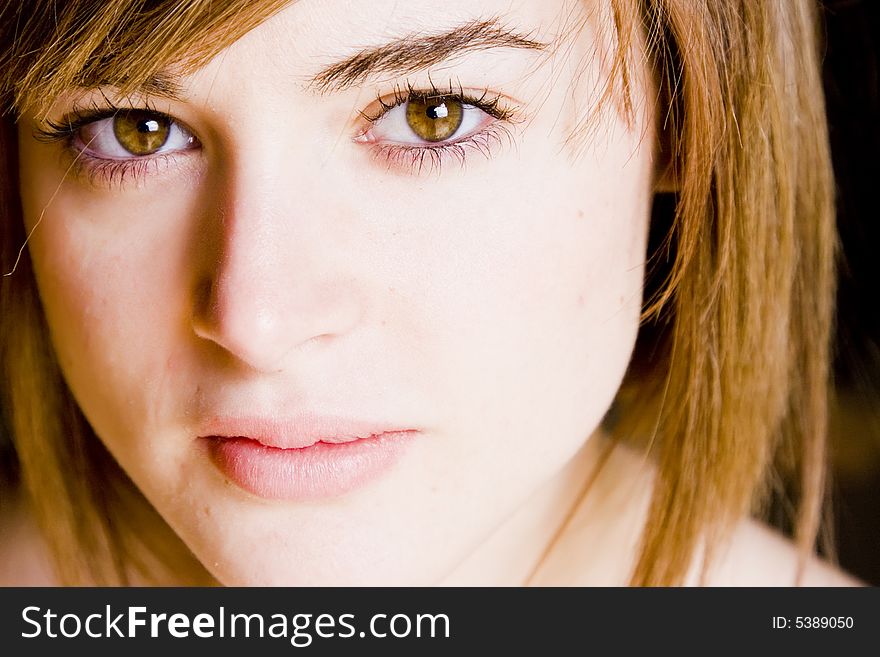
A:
[852,87]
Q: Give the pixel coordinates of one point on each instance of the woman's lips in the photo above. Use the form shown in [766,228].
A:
[308,459]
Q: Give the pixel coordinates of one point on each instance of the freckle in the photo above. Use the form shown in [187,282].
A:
[580,214]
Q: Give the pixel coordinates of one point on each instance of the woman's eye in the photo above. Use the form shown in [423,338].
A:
[428,120]
[133,133]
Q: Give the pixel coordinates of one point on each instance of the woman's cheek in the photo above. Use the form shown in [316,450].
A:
[112,292]
[537,306]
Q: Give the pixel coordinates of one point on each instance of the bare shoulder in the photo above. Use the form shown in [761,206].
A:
[756,555]
[24,559]
[760,556]
[608,522]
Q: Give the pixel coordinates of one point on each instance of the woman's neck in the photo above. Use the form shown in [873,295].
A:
[565,529]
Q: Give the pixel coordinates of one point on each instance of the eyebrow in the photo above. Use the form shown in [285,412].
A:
[161,84]
[418,52]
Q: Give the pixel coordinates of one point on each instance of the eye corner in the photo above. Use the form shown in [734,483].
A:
[365,137]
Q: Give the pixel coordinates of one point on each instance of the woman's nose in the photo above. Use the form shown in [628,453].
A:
[274,282]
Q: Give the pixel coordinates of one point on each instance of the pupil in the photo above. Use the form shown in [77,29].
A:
[438,111]
[150,125]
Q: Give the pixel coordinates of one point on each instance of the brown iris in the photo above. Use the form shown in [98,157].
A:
[140,132]
[434,119]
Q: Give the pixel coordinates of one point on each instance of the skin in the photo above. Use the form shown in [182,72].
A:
[281,266]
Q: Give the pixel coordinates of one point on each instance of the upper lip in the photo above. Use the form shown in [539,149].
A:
[299,431]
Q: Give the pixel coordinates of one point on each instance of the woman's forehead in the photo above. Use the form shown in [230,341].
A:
[342,42]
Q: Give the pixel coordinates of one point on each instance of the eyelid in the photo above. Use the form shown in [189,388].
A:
[176,130]
[492,103]
[473,120]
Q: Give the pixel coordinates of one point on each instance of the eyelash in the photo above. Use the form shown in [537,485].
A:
[416,158]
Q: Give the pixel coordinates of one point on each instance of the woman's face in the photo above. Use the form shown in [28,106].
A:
[330,347]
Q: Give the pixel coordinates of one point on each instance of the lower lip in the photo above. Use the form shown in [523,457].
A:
[320,471]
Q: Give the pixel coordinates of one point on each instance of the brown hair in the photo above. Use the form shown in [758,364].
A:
[743,309]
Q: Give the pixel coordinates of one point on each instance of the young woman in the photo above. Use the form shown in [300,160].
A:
[345,293]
